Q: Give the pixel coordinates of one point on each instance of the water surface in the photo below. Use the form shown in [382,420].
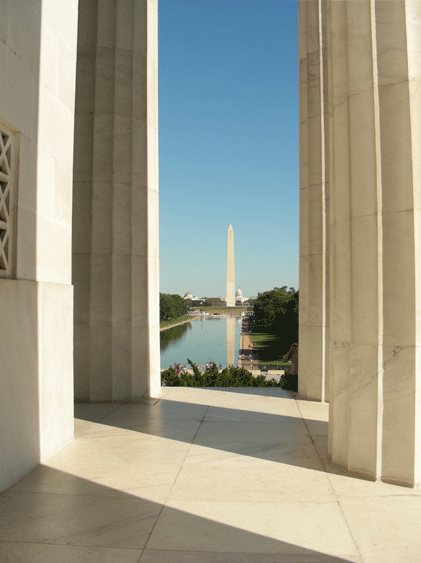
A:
[203,340]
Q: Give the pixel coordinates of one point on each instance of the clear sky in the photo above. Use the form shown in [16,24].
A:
[228,134]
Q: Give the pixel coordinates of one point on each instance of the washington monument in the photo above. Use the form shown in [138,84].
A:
[230,269]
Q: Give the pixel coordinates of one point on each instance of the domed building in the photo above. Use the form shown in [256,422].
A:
[239,299]
[189,295]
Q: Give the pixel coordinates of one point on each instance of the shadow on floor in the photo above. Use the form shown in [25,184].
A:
[53,516]
[276,437]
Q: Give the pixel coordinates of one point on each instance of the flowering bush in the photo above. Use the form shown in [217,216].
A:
[212,377]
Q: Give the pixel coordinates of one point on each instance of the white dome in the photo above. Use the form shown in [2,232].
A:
[239,293]
[188,295]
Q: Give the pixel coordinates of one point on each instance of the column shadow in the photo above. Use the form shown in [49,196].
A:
[52,515]
[279,438]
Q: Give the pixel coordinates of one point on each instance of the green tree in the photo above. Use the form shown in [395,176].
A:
[276,312]
[172,306]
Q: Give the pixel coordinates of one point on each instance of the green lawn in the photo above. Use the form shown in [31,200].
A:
[223,310]
[268,349]
[163,324]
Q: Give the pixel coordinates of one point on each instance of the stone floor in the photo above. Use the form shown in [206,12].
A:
[228,475]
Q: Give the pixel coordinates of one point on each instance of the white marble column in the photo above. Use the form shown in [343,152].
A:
[115,212]
[375,132]
[314,199]
[398,32]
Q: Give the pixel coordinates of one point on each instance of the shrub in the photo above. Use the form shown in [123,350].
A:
[212,377]
[290,382]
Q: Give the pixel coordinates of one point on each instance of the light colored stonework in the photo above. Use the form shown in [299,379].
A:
[230,269]
[37,74]
[115,210]
[314,201]
[365,282]
[9,147]
[360,175]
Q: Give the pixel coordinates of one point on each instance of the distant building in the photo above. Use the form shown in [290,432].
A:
[189,295]
[239,298]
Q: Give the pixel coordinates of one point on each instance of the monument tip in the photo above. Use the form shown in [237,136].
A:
[230,227]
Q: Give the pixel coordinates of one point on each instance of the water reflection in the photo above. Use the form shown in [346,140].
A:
[231,356]
[204,340]
[172,335]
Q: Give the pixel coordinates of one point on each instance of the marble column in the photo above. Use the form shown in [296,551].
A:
[314,201]
[375,135]
[115,211]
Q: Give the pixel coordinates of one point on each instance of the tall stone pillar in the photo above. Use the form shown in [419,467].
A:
[375,238]
[314,199]
[115,211]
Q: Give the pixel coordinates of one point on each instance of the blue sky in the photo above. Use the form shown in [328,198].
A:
[228,134]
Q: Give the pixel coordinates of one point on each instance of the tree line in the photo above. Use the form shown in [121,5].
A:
[276,312]
[172,306]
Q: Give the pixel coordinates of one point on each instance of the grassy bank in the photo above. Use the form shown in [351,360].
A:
[267,348]
[223,310]
[171,322]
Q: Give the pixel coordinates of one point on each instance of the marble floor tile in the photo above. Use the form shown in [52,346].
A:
[100,456]
[123,439]
[81,426]
[244,456]
[275,442]
[159,556]
[94,412]
[144,414]
[104,478]
[79,520]
[222,414]
[356,486]
[314,410]
[39,553]
[231,434]
[316,427]
[273,483]
[385,528]
[180,430]
[251,527]
[226,397]
[209,476]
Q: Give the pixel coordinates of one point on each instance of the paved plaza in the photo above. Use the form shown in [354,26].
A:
[201,476]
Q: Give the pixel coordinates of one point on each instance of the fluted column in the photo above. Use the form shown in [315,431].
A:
[314,200]
[115,212]
[375,132]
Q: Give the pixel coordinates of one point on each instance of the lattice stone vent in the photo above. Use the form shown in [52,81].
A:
[6,201]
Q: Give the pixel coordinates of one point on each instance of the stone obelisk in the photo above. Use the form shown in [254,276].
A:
[230,269]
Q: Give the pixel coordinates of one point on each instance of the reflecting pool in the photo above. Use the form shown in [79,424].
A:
[203,340]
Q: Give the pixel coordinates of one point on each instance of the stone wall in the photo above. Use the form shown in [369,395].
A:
[37,73]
